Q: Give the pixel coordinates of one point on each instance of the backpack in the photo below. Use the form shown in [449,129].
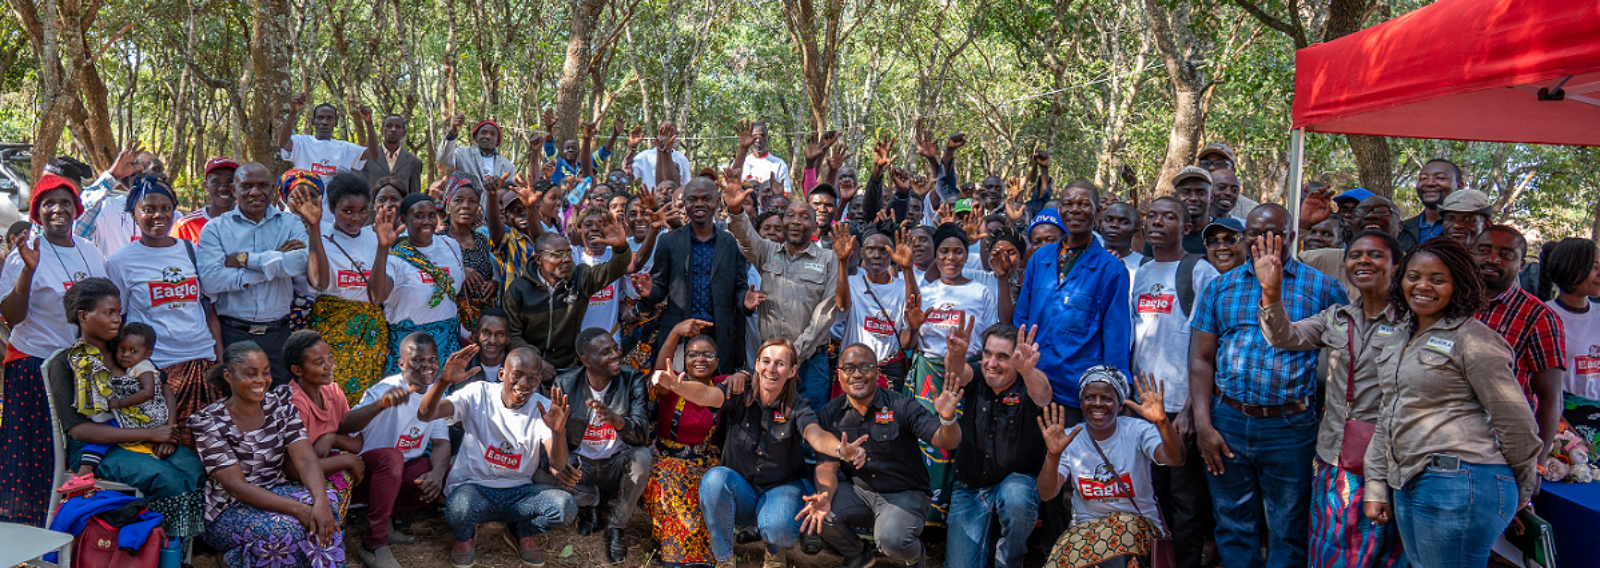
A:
[1185,279]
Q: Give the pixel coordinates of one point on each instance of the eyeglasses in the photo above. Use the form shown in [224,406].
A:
[1374,210]
[1216,164]
[557,254]
[1225,241]
[705,355]
[862,369]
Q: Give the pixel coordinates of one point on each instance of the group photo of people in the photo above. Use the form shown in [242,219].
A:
[334,328]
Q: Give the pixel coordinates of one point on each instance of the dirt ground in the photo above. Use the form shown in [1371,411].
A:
[432,548]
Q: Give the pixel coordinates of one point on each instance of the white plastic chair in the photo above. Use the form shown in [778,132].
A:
[58,439]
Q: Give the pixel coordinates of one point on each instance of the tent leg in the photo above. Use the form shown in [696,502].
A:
[1297,150]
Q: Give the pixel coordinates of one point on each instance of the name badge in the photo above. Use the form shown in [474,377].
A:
[1440,344]
[815,267]
[1385,330]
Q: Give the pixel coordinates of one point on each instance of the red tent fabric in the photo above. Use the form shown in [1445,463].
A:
[1460,69]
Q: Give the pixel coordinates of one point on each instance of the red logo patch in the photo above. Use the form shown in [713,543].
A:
[1011,399]
[353,279]
[877,326]
[162,293]
[410,440]
[884,416]
[428,278]
[1588,365]
[603,296]
[945,317]
[1092,489]
[1156,304]
[503,457]
[779,417]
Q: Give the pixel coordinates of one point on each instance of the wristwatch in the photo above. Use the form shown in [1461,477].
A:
[242,258]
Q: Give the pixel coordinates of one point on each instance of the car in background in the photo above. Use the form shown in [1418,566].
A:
[16,161]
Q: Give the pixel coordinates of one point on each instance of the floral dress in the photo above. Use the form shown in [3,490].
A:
[250,537]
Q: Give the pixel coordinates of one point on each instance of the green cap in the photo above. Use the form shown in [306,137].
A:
[962,206]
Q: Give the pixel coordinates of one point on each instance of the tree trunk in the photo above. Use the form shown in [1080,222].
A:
[271,57]
[817,63]
[1373,163]
[1176,43]
[575,71]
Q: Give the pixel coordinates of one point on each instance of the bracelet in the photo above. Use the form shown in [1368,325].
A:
[950,422]
[839,450]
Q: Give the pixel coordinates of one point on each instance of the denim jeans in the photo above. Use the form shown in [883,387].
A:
[1013,503]
[895,520]
[728,501]
[1270,472]
[816,382]
[527,509]
[1451,517]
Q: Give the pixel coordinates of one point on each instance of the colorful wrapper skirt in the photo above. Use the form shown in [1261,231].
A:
[190,393]
[1341,534]
[253,538]
[924,383]
[358,336]
[672,500]
[446,334]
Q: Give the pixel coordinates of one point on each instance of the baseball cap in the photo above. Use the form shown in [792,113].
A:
[1222,224]
[1218,147]
[823,188]
[1049,216]
[1466,201]
[1191,172]
[1355,195]
[962,206]
[220,162]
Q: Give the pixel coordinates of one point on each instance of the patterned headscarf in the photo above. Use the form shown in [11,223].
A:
[292,178]
[455,184]
[141,185]
[1104,374]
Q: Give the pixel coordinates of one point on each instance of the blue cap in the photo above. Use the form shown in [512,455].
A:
[1219,223]
[1047,216]
[1357,195]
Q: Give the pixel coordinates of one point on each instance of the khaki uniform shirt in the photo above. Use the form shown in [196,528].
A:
[800,288]
[1331,330]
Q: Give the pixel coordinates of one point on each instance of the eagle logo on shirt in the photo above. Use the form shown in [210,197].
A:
[1589,364]
[1105,484]
[171,275]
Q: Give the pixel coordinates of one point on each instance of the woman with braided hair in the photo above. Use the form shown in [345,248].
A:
[427,274]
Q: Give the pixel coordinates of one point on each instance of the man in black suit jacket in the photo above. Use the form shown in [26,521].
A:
[396,160]
[714,291]
[608,438]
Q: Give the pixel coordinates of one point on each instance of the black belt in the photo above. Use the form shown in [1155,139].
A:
[252,327]
[1265,410]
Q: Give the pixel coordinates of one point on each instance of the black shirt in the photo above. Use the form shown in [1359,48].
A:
[1193,242]
[763,444]
[999,434]
[894,424]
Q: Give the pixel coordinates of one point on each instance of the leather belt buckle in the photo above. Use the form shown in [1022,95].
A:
[258,329]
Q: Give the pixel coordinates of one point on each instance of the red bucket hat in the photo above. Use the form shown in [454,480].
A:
[48,183]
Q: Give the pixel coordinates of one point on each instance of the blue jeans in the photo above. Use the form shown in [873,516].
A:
[1013,503]
[1270,472]
[527,509]
[816,383]
[728,501]
[1451,517]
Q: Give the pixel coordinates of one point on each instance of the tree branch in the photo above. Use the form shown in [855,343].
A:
[1292,30]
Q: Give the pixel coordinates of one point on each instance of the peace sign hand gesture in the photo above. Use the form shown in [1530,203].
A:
[960,339]
[1026,354]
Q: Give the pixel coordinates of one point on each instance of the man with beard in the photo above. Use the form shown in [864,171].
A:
[1220,156]
[1224,193]
[219,199]
[479,162]
[1259,435]
[608,439]
[797,285]
[319,152]
[547,302]
[248,259]
[1002,446]
[1464,215]
[1437,180]
[889,495]
[1534,332]
[699,271]
[393,158]
[761,165]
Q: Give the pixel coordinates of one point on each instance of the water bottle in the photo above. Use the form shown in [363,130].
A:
[171,554]
[578,192]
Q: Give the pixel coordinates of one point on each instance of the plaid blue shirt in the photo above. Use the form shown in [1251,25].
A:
[1248,368]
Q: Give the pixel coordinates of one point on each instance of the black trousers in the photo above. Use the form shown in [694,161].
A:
[236,330]
[1185,499]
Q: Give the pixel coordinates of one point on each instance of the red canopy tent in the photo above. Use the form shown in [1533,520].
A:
[1494,70]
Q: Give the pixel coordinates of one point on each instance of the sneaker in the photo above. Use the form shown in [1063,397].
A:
[863,560]
[811,544]
[462,556]
[384,558]
[529,548]
[397,537]
[775,560]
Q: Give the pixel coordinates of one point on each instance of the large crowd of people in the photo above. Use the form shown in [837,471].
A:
[822,353]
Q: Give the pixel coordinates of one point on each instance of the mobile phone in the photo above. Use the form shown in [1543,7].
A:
[1445,461]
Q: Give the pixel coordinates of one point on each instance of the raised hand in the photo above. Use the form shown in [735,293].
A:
[307,205]
[1053,423]
[815,514]
[915,315]
[974,225]
[666,136]
[945,214]
[297,102]
[30,254]
[616,127]
[921,185]
[927,146]
[902,248]
[1152,394]
[883,152]
[734,193]
[548,169]
[455,123]
[843,242]
[635,136]
[960,339]
[363,112]
[555,417]
[956,140]
[813,149]
[549,117]
[1041,158]
[124,165]
[455,367]
[612,233]
[948,401]
[746,133]
[1026,354]
[589,128]
[753,298]
[1268,264]
[1001,265]
[1316,208]
[902,179]
[837,157]
[1016,213]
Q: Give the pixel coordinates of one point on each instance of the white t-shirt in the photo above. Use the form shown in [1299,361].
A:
[1095,493]
[113,228]
[397,426]
[876,318]
[324,157]
[770,166]
[644,167]
[502,446]
[46,329]
[1132,262]
[408,300]
[350,263]
[1160,328]
[605,306]
[1202,279]
[161,287]
[599,438]
[950,304]
[1582,376]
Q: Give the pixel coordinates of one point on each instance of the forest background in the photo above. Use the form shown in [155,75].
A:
[1121,92]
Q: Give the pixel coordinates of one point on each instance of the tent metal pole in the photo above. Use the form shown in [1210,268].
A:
[1297,149]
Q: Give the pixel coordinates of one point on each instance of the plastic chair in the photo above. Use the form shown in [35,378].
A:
[58,443]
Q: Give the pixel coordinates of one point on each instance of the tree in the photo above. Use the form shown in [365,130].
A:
[71,91]
[819,64]
[1185,57]
[575,72]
